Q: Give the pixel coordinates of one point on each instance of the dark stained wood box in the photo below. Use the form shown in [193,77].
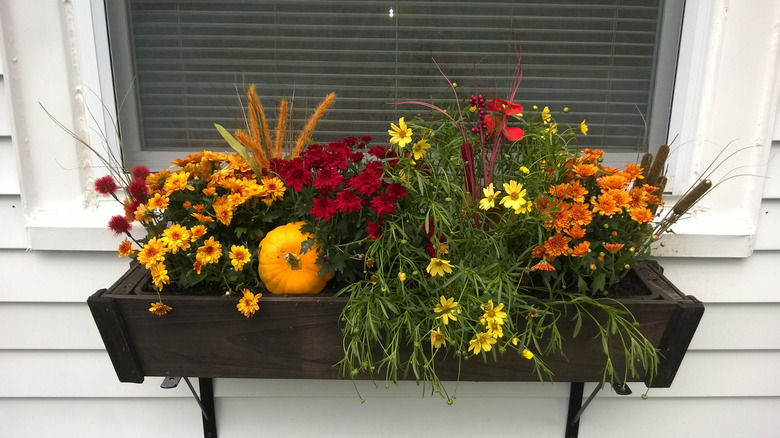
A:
[299,336]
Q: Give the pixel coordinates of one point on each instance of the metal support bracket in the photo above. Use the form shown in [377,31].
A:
[205,401]
[577,407]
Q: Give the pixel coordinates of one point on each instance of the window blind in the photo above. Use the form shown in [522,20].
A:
[188,63]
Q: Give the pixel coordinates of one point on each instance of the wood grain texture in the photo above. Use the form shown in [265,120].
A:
[294,337]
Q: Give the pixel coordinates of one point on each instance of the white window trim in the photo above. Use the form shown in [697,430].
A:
[726,90]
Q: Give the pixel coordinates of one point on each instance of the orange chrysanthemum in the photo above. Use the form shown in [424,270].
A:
[580,214]
[613,247]
[544,265]
[580,250]
[557,245]
[641,215]
[608,182]
[585,170]
[576,232]
[125,248]
[592,154]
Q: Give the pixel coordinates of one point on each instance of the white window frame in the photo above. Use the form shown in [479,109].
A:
[720,47]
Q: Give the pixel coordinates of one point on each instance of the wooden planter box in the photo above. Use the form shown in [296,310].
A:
[299,336]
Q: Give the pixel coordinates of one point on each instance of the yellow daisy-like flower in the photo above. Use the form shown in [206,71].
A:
[495,330]
[527,354]
[439,267]
[482,342]
[160,275]
[437,339]
[210,252]
[515,195]
[239,256]
[447,309]
[493,313]
[583,128]
[160,309]
[400,134]
[125,248]
[489,201]
[176,237]
[247,305]
[546,115]
[420,148]
[153,252]
[525,208]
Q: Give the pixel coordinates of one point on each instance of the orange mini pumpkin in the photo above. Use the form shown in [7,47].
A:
[282,267]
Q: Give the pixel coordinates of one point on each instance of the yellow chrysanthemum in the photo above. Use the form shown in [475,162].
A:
[210,252]
[447,309]
[153,252]
[247,305]
[515,196]
[489,201]
[524,170]
[160,309]
[239,256]
[274,188]
[178,181]
[439,267]
[197,232]
[420,148]
[583,128]
[400,134]
[158,202]
[402,276]
[527,354]
[482,342]
[160,275]
[176,237]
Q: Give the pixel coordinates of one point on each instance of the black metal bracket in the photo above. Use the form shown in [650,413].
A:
[577,407]
[205,401]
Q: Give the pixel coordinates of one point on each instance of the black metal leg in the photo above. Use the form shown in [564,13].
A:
[207,405]
[575,404]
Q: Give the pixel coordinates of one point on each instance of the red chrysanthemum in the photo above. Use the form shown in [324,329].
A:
[396,190]
[119,225]
[327,178]
[323,208]
[105,185]
[140,171]
[366,138]
[383,204]
[377,151]
[375,229]
[138,190]
[366,183]
[347,201]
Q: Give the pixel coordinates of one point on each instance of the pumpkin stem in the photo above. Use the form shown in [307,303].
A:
[293,260]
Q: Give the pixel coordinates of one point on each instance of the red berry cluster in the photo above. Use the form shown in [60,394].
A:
[479,103]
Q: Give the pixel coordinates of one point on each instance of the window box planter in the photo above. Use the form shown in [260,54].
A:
[299,336]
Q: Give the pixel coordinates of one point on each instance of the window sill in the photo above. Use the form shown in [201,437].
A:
[73,230]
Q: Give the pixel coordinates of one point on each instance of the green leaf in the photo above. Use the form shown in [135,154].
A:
[239,148]
[577,325]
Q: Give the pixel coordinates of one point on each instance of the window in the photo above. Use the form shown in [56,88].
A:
[181,66]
